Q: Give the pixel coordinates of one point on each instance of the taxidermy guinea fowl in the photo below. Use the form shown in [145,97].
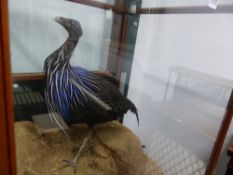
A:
[76,94]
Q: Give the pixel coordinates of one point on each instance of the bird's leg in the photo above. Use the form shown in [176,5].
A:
[73,163]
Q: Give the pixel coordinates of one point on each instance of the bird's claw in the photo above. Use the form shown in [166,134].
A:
[70,163]
[73,163]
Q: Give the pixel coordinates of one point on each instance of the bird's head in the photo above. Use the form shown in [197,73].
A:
[72,26]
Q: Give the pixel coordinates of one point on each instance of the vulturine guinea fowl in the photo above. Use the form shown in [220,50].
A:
[76,94]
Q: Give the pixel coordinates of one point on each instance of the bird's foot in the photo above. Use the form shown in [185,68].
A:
[70,163]
[73,163]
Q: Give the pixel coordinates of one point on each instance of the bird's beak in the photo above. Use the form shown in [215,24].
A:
[58,19]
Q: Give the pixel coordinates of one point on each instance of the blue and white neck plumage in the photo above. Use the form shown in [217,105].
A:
[59,91]
[74,91]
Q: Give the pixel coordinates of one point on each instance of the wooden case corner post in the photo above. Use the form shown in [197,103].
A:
[7,145]
[216,151]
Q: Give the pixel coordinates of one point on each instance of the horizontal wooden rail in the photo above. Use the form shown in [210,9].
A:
[40,75]
[101,5]
[27,76]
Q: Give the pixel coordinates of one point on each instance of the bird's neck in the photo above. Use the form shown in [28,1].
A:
[60,59]
[69,46]
[67,49]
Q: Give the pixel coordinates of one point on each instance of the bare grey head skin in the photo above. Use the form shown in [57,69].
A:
[72,26]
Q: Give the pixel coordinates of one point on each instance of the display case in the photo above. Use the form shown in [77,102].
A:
[75,73]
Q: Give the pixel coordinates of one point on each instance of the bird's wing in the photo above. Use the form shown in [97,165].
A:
[100,91]
[108,94]
[86,86]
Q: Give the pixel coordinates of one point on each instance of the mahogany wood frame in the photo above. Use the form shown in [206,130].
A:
[105,6]
[7,145]
[40,75]
[216,151]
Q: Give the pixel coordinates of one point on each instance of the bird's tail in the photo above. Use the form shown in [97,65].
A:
[133,109]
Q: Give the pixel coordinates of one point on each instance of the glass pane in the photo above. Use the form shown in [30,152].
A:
[181,81]
[75,64]
[30,22]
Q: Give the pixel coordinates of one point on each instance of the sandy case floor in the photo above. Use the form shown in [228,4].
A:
[43,154]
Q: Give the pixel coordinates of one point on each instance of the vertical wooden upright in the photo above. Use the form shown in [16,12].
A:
[216,151]
[123,40]
[7,145]
[117,45]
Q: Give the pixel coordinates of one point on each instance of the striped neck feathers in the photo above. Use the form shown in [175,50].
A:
[61,57]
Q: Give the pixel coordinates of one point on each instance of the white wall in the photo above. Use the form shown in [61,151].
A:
[202,42]
[34,34]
